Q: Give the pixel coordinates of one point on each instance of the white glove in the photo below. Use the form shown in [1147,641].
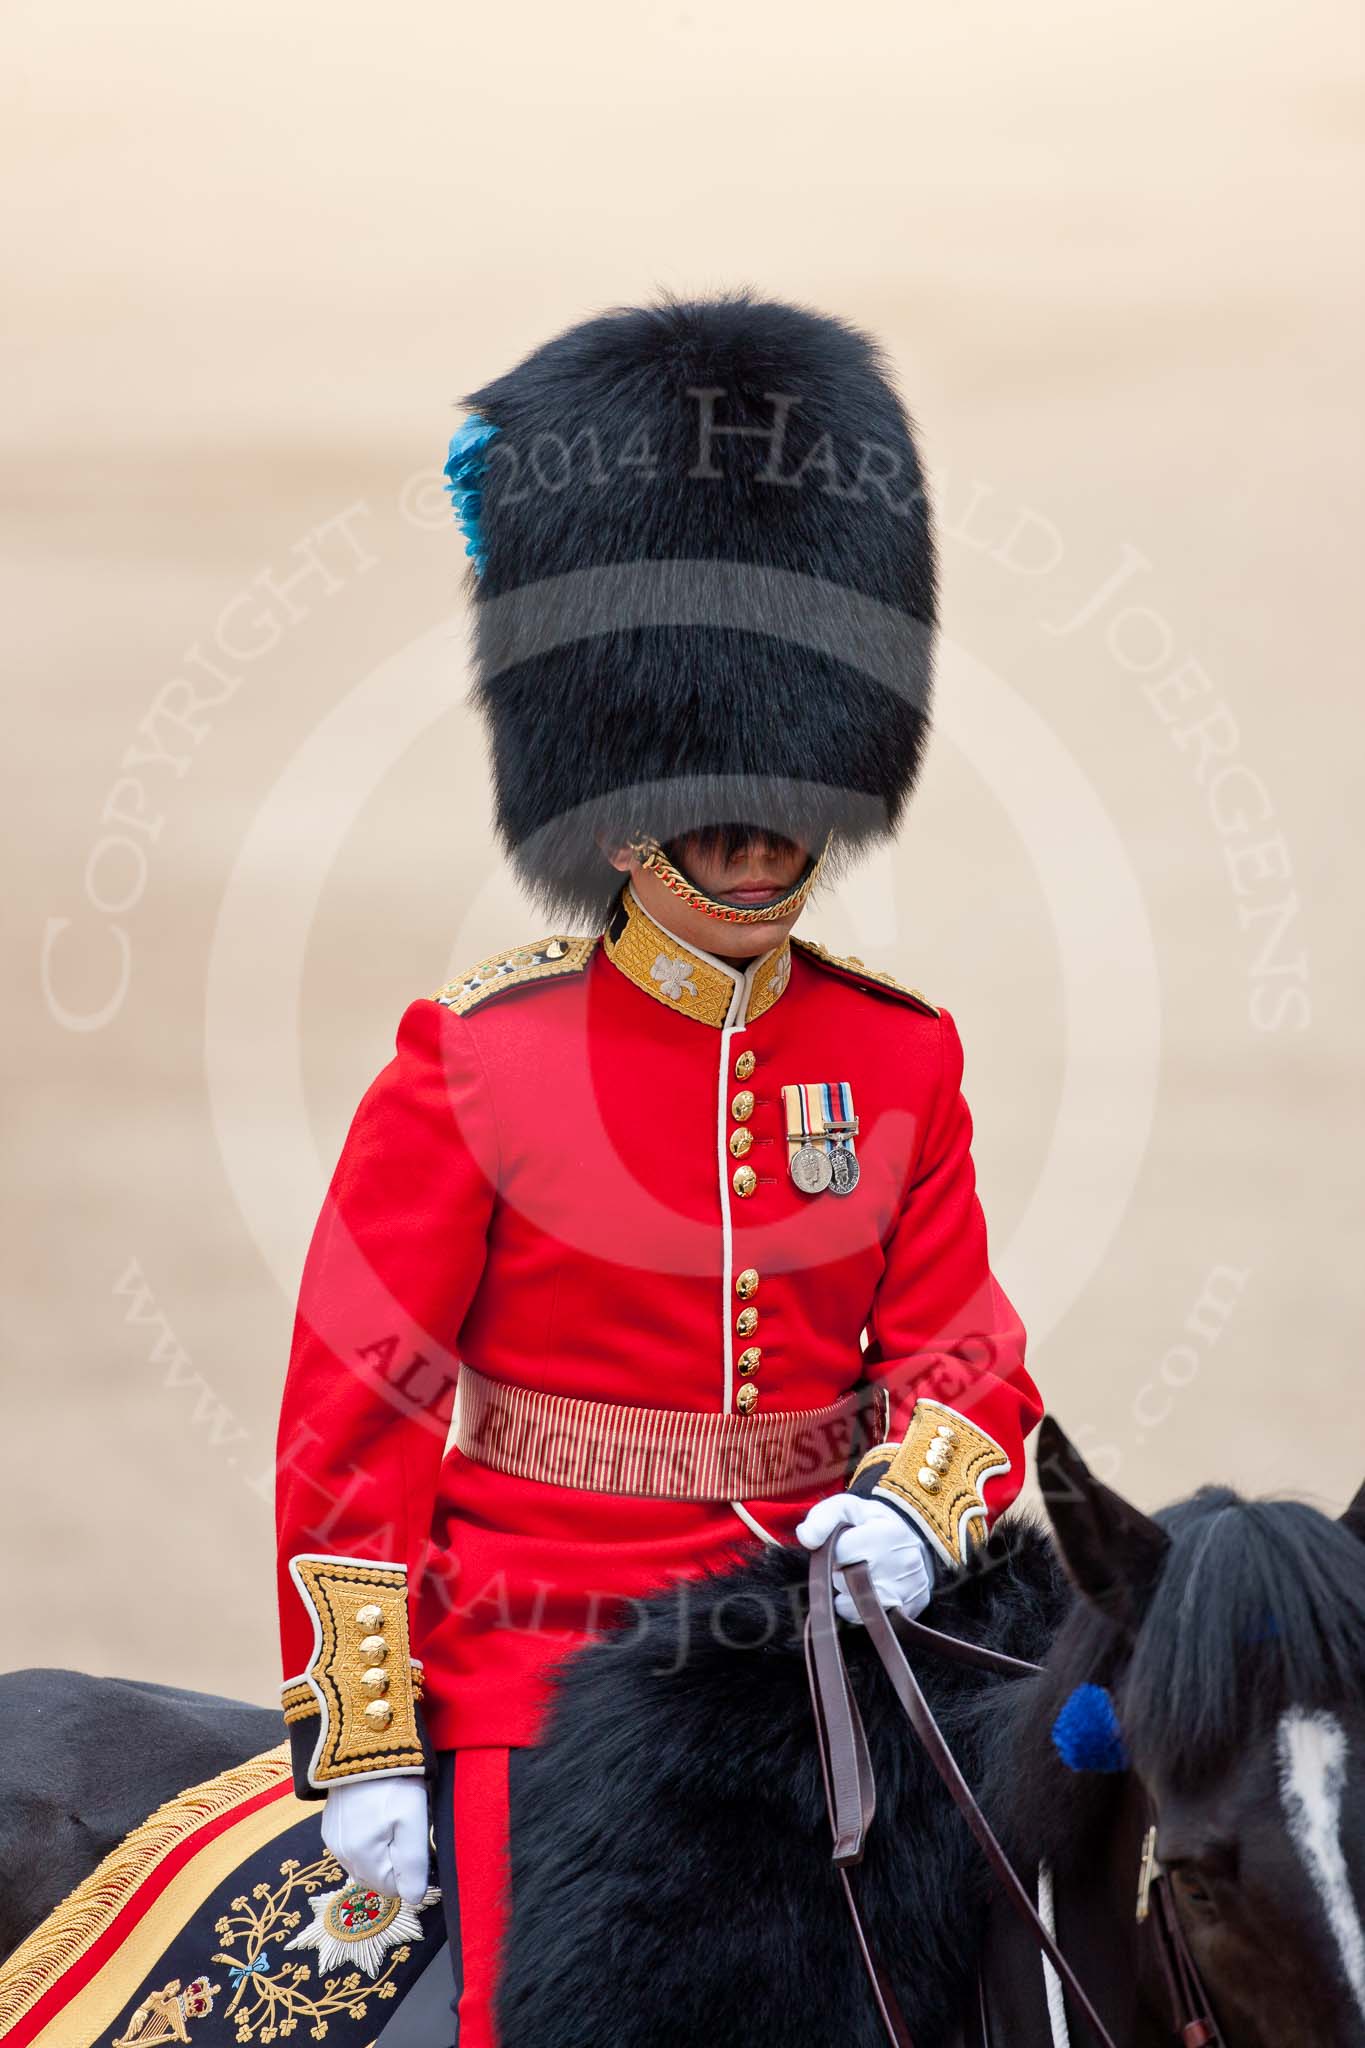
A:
[896,1556]
[377,1830]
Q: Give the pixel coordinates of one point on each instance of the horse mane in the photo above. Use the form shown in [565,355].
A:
[1260,1606]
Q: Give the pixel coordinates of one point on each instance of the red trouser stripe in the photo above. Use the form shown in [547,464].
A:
[482,1870]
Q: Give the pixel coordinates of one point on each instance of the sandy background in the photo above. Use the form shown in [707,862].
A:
[253,258]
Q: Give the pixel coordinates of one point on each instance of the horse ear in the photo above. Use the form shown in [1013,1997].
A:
[1354,1515]
[1113,1553]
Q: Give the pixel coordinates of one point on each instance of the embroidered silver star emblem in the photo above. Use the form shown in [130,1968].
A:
[782,974]
[357,1927]
[672,977]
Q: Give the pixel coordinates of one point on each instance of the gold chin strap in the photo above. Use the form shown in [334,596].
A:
[651,855]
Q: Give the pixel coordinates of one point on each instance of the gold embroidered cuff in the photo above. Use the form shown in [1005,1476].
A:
[360,1683]
[935,1476]
[298,1701]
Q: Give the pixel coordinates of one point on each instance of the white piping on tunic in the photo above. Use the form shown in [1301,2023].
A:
[727,1234]
[727,1282]
[741,983]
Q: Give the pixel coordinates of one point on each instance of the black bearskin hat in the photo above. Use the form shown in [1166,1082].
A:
[707,589]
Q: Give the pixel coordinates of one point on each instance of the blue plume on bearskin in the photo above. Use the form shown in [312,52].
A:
[464,468]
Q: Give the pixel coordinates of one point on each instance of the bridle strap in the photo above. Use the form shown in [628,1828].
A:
[1191,2013]
[952,1650]
[917,1711]
[846,1768]
[845,1763]
[850,1793]
[850,1790]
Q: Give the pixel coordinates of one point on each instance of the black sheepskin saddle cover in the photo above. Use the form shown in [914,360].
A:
[673,1884]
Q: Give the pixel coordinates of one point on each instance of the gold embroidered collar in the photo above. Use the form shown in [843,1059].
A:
[696,984]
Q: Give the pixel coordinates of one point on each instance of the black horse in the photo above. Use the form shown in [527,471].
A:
[673,1878]
[673,1875]
[85,1760]
[1231,1634]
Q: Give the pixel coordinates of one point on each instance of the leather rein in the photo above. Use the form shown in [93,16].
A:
[851,1797]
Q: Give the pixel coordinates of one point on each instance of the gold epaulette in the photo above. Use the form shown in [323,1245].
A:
[850,965]
[516,968]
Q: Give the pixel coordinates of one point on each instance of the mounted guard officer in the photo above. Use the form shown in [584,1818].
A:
[658,1237]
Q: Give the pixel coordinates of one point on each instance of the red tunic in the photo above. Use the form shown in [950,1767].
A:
[544,1186]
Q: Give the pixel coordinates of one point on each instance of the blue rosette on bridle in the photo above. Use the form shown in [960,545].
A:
[464,480]
[1086,1733]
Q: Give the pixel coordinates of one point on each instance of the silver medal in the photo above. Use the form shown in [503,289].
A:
[811,1169]
[845,1170]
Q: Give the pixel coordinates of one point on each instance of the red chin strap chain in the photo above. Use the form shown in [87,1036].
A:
[651,855]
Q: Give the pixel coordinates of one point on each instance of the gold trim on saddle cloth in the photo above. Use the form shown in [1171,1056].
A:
[60,1941]
[655,1453]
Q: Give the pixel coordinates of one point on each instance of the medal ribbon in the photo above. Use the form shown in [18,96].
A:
[807,1106]
[837,1097]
